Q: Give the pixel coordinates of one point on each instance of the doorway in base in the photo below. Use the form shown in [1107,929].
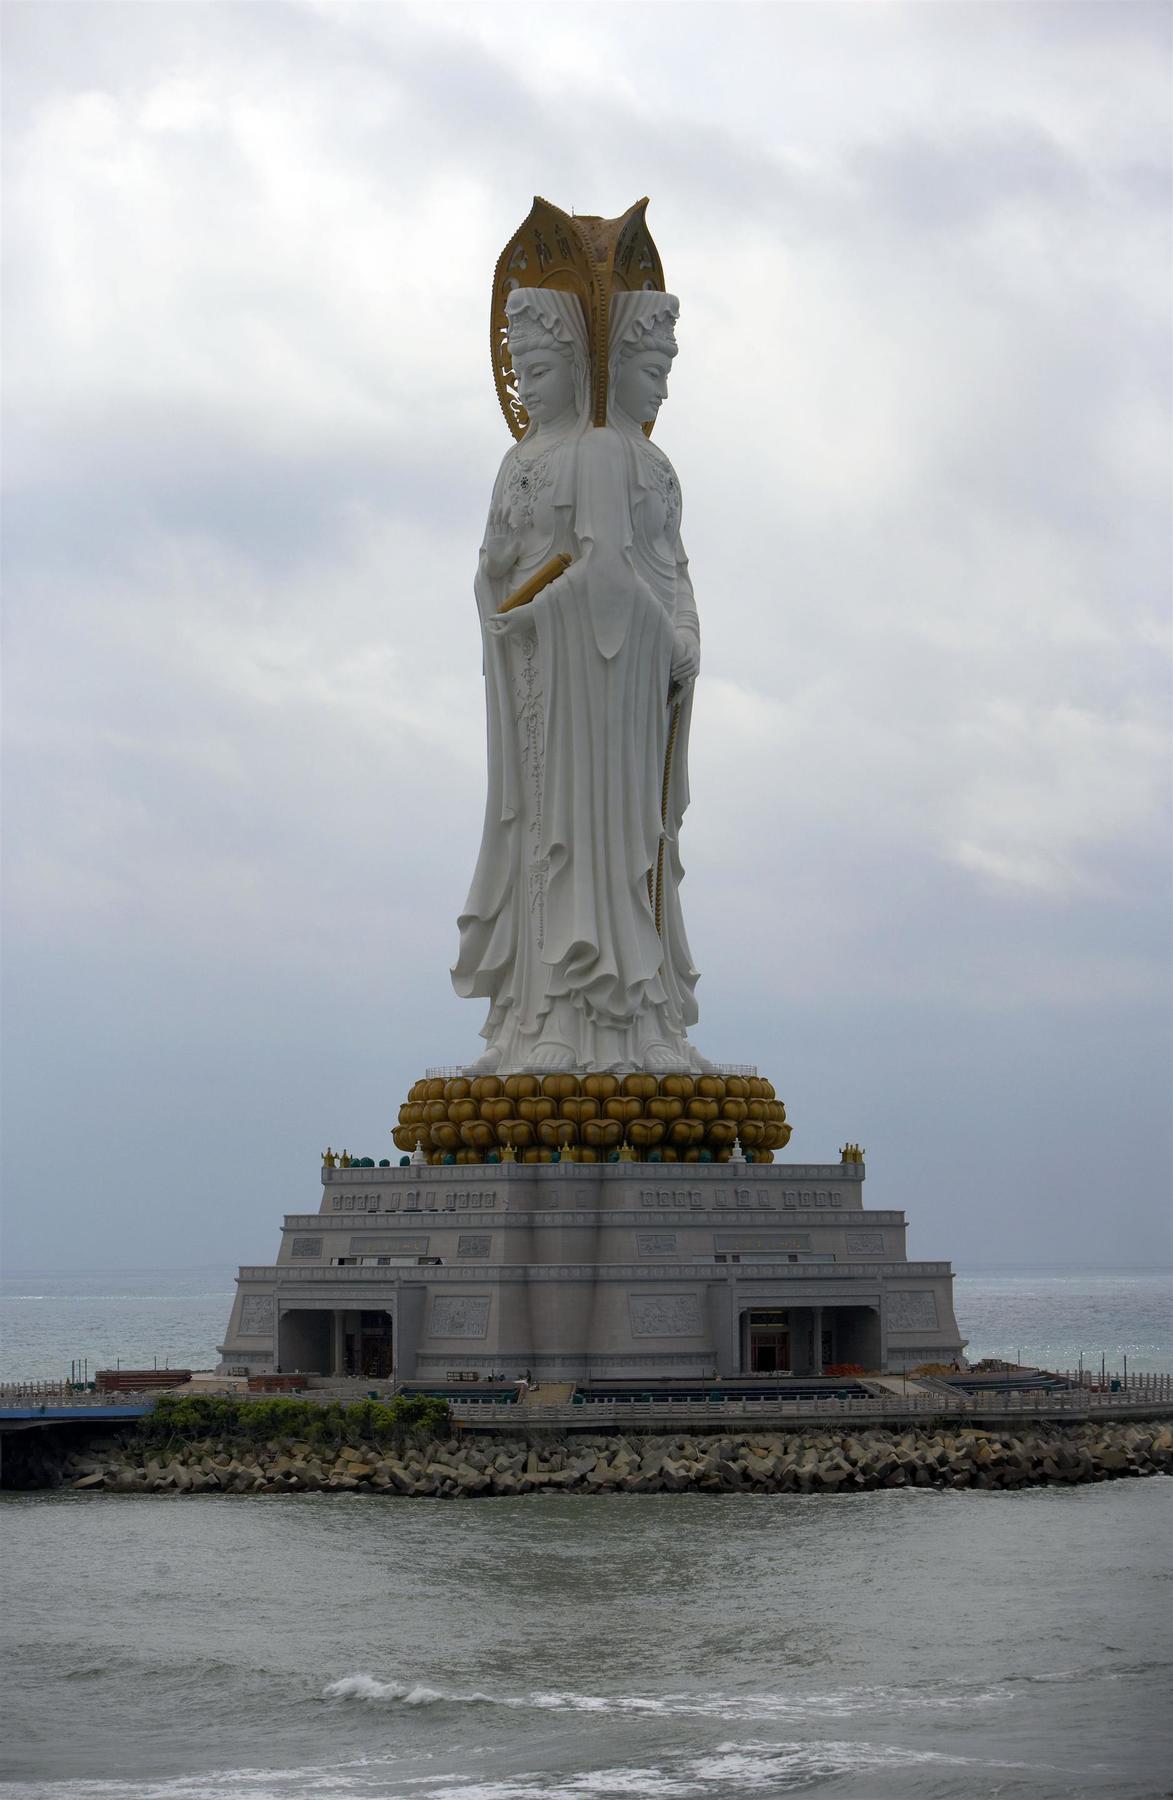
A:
[305,1342]
[375,1350]
[769,1343]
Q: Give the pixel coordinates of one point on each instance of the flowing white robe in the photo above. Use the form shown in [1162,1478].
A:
[558,932]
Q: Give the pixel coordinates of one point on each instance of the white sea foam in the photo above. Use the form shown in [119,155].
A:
[732,1708]
[365,1687]
[353,1776]
[727,1769]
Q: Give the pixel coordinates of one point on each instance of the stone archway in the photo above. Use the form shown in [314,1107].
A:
[375,1346]
[305,1342]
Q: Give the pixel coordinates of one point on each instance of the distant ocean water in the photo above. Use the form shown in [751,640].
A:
[177,1317]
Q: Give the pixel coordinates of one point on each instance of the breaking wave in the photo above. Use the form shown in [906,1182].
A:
[731,1769]
[736,1708]
[365,1687]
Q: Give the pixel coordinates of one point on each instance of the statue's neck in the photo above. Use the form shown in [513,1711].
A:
[554,432]
[623,421]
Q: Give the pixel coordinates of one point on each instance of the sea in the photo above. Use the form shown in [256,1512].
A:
[923,1645]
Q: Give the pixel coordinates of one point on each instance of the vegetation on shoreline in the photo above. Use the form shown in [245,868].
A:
[186,1418]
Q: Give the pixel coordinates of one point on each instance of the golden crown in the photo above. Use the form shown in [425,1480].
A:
[578,254]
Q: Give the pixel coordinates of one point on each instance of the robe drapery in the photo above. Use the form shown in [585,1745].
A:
[558,932]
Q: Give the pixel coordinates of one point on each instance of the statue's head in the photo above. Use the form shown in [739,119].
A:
[549,353]
[642,344]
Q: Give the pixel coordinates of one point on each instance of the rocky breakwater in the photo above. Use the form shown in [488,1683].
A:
[811,1462]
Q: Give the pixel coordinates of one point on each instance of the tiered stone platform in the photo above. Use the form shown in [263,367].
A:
[617,1271]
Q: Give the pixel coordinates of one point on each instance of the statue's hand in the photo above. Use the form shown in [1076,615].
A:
[501,544]
[686,659]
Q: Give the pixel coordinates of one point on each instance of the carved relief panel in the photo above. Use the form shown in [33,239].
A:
[909,1310]
[460,1315]
[256,1315]
[665,1315]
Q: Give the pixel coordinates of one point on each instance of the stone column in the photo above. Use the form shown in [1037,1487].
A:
[816,1340]
[339,1319]
[724,1326]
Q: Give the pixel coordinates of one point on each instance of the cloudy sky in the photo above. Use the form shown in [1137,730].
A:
[921,418]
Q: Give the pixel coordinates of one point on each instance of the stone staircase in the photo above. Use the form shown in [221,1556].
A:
[904,1386]
[347,1388]
[551,1393]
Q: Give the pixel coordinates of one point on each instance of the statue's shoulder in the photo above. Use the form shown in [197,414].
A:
[504,468]
[652,453]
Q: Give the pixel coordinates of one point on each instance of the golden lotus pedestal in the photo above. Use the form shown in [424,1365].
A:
[592,1118]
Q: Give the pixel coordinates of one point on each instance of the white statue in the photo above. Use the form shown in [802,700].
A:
[572,930]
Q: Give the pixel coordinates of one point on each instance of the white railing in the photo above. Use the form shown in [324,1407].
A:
[448,1071]
[1143,1383]
[712,1414]
[1087,1394]
[287,1273]
[56,1395]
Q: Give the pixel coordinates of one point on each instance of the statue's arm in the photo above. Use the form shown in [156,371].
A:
[499,548]
[686,655]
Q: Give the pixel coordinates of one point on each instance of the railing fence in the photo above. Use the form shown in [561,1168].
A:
[1085,1393]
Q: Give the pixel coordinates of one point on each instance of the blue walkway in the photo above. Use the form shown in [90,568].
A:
[60,1415]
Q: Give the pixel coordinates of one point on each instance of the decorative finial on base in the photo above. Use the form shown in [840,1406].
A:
[737,1154]
[417,1155]
[851,1153]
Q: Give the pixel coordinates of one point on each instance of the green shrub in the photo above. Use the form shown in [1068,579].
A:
[186,1417]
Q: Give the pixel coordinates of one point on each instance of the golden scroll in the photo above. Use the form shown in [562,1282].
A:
[529,590]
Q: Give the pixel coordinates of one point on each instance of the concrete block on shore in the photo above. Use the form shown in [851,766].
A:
[499,1464]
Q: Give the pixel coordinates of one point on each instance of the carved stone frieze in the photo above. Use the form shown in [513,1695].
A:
[256,1315]
[760,1242]
[388,1245]
[460,1315]
[665,1315]
[655,1243]
[911,1309]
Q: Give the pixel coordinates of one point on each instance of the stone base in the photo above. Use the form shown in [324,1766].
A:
[592,1118]
[594,1273]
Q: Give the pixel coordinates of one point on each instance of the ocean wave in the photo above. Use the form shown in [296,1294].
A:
[733,1708]
[726,1769]
[1096,1672]
[365,1687]
[356,1777]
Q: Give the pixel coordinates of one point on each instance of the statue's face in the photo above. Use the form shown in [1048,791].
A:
[545,384]
[642,385]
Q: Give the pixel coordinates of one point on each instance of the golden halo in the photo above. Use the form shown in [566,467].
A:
[579,254]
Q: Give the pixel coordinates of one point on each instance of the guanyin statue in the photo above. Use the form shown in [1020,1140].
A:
[572,930]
